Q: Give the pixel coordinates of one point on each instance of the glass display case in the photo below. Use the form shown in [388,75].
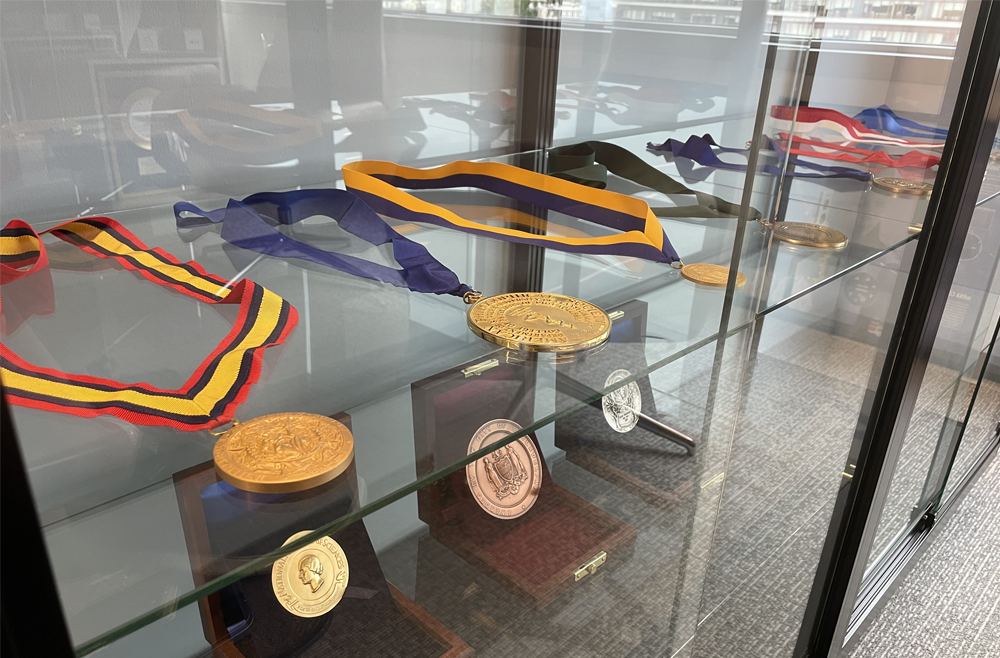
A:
[487,327]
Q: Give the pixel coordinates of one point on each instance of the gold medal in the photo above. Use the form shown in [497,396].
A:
[904,186]
[311,581]
[539,322]
[282,453]
[506,482]
[809,235]
[708,274]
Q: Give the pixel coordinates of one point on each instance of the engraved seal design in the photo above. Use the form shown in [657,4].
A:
[622,405]
[809,235]
[282,453]
[539,322]
[904,186]
[708,274]
[506,482]
[310,581]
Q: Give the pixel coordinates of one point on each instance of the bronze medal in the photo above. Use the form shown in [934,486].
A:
[282,453]
[904,186]
[311,581]
[708,274]
[539,322]
[506,482]
[809,235]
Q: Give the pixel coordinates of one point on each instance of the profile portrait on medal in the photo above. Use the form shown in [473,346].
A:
[311,572]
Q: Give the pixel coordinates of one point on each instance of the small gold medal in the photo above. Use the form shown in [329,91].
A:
[904,186]
[311,581]
[282,453]
[809,235]
[539,322]
[506,482]
[708,274]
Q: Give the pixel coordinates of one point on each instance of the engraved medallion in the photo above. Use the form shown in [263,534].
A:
[904,186]
[708,274]
[282,453]
[809,235]
[311,581]
[539,322]
[622,405]
[506,482]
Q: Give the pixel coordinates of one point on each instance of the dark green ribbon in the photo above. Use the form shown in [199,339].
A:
[588,163]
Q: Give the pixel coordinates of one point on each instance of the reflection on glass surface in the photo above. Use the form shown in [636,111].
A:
[124,108]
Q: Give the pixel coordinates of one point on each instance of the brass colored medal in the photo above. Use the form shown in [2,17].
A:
[809,235]
[506,482]
[282,453]
[708,274]
[622,406]
[904,186]
[539,322]
[311,581]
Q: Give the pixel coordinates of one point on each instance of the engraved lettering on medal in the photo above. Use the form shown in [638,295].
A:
[506,482]
[622,406]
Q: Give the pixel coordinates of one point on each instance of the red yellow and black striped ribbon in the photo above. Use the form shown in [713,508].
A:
[219,385]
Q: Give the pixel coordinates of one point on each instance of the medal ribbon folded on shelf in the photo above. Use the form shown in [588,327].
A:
[210,395]
[701,150]
[884,120]
[243,225]
[588,163]
[806,120]
[815,148]
[640,236]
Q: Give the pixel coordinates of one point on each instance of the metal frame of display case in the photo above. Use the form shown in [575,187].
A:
[839,601]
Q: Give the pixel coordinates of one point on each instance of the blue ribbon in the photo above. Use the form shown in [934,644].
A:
[700,149]
[884,120]
[244,225]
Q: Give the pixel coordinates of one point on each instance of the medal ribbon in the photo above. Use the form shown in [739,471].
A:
[209,397]
[815,148]
[884,120]
[812,119]
[641,235]
[588,163]
[700,149]
[244,226]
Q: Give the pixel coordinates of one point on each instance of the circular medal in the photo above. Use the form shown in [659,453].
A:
[539,322]
[809,235]
[708,274]
[904,186]
[311,581]
[506,482]
[622,405]
[282,453]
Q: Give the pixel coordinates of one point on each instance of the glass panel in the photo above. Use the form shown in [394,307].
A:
[938,426]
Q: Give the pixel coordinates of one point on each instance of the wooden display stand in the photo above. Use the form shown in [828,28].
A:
[225,527]
[537,556]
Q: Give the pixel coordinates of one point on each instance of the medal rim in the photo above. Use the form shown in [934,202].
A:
[535,484]
[805,242]
[336,597]
[883,184]
[630,386]
[512,344]
[291,486]
[741,278]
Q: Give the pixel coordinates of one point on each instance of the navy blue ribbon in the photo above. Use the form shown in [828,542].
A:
[700,149]
[884,120]
[244,225]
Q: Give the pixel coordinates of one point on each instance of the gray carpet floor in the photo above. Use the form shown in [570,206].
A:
[949,605]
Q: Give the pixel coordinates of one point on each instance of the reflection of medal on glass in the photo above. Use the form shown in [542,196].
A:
[622,405]
[311,581]
[283,453]
[809,235]
[506,482]
[860,289]
[904,186]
